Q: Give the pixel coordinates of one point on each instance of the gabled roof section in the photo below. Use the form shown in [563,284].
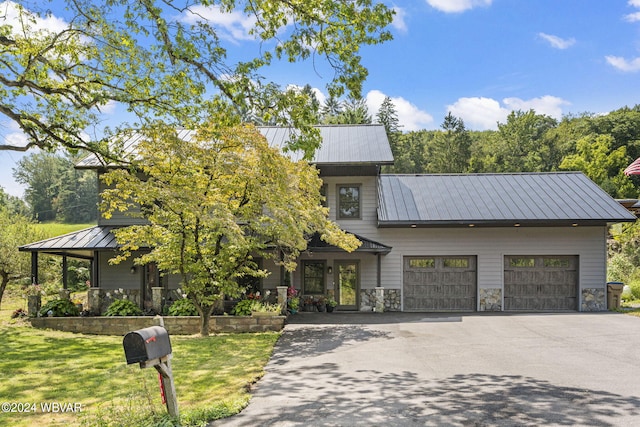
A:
[316,244]
[341,145]
[82,242]
[542,199]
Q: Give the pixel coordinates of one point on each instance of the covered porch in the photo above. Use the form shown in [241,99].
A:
[353,280]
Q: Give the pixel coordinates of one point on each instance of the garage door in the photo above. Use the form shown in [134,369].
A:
[439,283]
[540,283]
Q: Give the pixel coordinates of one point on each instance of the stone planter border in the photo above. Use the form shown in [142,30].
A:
[176,325]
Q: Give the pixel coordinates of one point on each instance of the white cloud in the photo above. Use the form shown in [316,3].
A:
[11,134]
[457,6]
[10,15]
[557,42]
[108,108]
[547,105]
[635,3]
[481,113]
[410,117]
[320,96]
[632,17]
[398,19]
[234,25]
[623,65]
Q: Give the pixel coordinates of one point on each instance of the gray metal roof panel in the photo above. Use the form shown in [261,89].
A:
[341,144]
[94,238]
[495,198]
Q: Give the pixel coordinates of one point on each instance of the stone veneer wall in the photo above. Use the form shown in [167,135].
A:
[175,325]
[490,299]
[392,299]
[593,299]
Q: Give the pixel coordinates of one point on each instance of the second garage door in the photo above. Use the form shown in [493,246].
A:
[439,283]
[540,283]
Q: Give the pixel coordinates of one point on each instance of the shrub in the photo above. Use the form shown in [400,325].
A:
[635,289]
[123,307]
[59,308]
[183,307]
[246,306]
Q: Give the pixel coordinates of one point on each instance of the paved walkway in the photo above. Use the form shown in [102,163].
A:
[408,369]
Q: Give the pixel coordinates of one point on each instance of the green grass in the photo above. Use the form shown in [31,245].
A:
[212,376]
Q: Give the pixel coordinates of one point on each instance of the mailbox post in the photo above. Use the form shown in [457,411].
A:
[151,347]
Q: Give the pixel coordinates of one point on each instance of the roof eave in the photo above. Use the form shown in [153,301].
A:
[501,223]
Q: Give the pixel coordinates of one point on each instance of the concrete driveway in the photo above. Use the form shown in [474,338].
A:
[410,369]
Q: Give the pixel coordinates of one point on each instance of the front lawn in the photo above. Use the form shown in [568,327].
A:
[41,369]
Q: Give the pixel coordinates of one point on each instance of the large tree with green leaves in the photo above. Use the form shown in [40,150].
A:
[17,230]
[169,60]
[212,204]
[55,190]
[605,166]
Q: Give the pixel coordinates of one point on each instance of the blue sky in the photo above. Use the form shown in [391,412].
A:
[479,59]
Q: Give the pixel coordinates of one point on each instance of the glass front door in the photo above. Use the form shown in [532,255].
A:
[347,279]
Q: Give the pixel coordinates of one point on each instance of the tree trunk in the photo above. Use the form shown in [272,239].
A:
[204,322]
[205,316]
[3,284]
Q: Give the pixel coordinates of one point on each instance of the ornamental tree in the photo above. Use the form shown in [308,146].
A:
[174,60]
[213,201]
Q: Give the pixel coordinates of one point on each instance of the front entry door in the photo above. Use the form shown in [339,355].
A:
[348,282]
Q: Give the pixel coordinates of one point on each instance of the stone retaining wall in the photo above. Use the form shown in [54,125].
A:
[593,299]
[391,299]
[490,299]
[176,325]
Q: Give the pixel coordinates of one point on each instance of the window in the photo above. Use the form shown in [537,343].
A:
[348,201]
[422,263]
[522,262]
[556,262]
[456,262]
[313,277]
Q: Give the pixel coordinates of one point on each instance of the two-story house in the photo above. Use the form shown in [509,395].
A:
[445,242]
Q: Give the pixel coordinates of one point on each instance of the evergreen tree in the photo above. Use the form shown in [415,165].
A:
[449,151]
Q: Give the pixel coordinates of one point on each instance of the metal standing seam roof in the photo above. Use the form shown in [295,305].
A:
[560,198]
[90,239]
[341,144]
[100,238]
[316,244]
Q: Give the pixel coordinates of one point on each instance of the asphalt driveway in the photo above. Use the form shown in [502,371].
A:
[473,370]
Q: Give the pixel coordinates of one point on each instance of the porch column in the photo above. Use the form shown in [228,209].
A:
[65,273]
[157,292]
[379,272]
[94,270]
[282,298]
[34,268]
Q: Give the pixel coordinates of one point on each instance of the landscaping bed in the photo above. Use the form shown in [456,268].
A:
[175,325]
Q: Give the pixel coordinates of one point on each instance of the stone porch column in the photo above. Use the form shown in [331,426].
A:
[379,307]
[94,300]
[156,299]
[282,298]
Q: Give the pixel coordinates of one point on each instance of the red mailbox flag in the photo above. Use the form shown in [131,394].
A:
[633,168]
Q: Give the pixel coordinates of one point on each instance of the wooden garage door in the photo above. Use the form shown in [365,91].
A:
[540,283]
[439,283]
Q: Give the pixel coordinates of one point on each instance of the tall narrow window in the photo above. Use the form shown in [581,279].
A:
[349,201]
[313,279]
